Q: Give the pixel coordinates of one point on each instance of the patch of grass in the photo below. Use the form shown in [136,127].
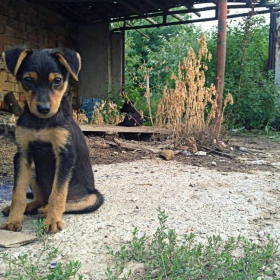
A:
[25,267]
[163,258]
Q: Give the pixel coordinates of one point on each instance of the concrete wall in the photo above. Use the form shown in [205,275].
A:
[101,54]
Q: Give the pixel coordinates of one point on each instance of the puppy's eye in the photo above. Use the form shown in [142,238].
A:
[28,81]
[57,81]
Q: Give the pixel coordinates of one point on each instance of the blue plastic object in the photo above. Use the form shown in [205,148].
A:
[87,105]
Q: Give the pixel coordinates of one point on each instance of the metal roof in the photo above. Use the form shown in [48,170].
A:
[94,11]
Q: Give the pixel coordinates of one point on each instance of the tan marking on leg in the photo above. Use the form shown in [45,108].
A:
[38,200]
[56,206]
[18,198]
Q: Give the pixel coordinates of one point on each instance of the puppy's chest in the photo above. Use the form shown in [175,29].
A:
[56,137]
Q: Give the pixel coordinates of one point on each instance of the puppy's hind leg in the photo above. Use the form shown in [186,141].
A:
[31,207]
[38,200]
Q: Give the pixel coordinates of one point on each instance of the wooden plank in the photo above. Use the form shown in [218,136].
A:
[114,129]
[107,129]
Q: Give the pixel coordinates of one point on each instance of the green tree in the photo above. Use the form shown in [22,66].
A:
[156,54]
[246,76]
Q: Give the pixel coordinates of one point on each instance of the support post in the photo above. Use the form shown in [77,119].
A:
[220,64]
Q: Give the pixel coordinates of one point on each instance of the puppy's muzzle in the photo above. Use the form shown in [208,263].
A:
[43,108]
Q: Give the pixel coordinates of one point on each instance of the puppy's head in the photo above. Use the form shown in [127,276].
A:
[128,107]
[43,76]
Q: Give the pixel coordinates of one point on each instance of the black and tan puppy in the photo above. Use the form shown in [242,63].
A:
[48,139]
[132,116]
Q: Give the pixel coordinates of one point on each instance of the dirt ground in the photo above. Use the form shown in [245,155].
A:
[249,152]
[236,194]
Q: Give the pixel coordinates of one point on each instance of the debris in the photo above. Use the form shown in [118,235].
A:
[186,153]
[167,154]
[191,143]
[12,119]
[217,152]
[200,153]
[238,129]
[221,144]
[52,265]
[9,239]
[101,145]
[261,234]
[213,163]
[136,147]
[243,149]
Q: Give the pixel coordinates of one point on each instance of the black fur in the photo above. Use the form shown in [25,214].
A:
[132,116]
[52,141]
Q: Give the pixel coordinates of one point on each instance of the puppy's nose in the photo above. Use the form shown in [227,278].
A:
[43,108]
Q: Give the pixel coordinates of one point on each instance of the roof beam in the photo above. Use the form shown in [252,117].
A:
[187,21]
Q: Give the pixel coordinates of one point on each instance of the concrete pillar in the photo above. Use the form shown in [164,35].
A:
[102,61]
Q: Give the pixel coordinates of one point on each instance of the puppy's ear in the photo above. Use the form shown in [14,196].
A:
[14,58]
[70,60]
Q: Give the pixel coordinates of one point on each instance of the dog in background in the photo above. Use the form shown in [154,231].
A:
[132,116]
[49,140]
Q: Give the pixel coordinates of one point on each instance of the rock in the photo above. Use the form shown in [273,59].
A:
[243,149]
[167,154]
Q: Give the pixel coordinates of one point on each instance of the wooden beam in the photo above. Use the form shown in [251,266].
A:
[114,129]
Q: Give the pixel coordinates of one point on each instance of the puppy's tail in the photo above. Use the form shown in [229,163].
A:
[86,204]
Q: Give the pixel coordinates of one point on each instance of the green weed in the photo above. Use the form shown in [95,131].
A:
[163,258]
[24,267]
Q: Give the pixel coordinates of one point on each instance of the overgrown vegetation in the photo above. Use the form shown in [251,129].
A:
[190,106]
[156,55]
[162,257]
[247,76]
[38,267]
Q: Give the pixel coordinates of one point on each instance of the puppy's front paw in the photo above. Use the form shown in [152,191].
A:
[12,226]
[53,226]
[6,211]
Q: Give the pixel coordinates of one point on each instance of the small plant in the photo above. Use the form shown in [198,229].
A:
[106,113]
[163,258]
[25,267]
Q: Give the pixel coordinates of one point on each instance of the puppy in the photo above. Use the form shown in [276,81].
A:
[132,116]
[50,140]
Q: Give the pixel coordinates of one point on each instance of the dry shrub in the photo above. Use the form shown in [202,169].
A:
[106,113]
[189,108]
[79,117]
